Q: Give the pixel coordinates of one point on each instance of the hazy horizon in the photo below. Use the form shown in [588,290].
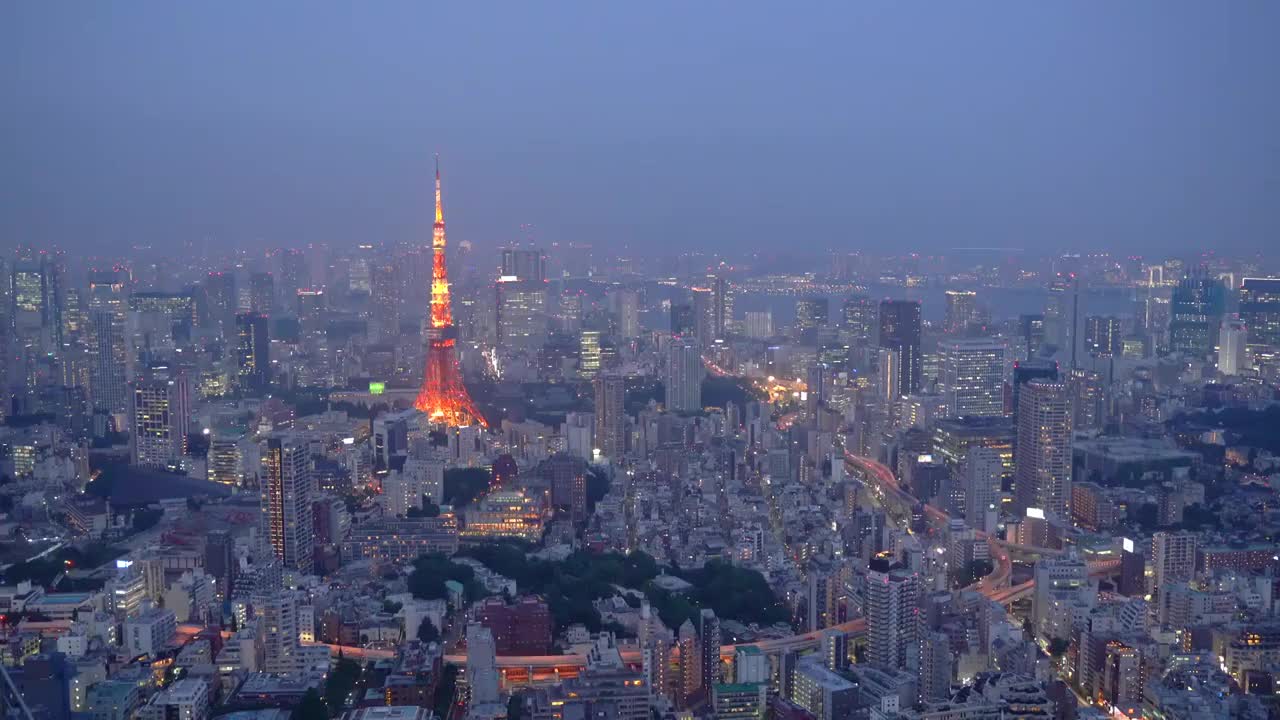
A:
[721,127]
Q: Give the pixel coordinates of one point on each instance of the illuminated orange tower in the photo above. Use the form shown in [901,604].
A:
[443,397]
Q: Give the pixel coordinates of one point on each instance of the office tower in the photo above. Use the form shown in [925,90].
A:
[294,273]
[110,358]
[220,560]
[522,314]
[286,501]
[226,457]
[889,364]
[812,313]
[900,331]
[160,417]
[1102,336]
[973,376]
[894,622]
[524,264]
[1260,313]
[384,299]
[1196,311]
[390,438]
[262,293]
[980,473]
[1059,582]
[961,311]
[253,352]
[859,317]
[221,303]
[34,298]
[1232,341]
[482,666]
[611,416]
[1042,457]
[683,379]
[682,319]
[589,353]
[709,644]
[1088,395]
[721,307]
[1062,316]
[1173,559]
[758,324]
[443,396]
[628,314]
[311,307]
[1032,333]
[703,315]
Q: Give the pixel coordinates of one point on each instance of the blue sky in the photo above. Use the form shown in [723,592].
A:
[722,126]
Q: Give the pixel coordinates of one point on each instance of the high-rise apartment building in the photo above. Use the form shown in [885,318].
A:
[610,416]
[683,379]
[894,621]
[108,340]
[1042,456]
[286,501]
[160,417]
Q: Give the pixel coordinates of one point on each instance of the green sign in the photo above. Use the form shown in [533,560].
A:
[377,388]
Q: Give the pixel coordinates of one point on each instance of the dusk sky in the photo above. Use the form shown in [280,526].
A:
[1147,127]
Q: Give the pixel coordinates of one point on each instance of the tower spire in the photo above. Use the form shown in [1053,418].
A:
[439,204]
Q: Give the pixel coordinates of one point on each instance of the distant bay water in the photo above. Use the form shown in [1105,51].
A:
[1003,303]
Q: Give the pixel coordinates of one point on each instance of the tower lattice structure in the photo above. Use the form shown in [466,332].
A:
[443,397]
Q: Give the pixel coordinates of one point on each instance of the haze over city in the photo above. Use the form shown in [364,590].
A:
[720,126]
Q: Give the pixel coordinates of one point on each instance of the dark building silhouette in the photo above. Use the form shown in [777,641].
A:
[900,330]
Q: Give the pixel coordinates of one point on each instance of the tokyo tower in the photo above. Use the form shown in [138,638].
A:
[443,397]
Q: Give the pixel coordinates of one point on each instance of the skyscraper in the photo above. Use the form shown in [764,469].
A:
[812,313]
[1260,313]
[721,307]
[1232,341]
[1088,396]
[973,376]
[160,417]
[682,320]
[1032,333]
[859,317]
[110,358]
[524,264]
[894,622]
[1196,311]
[900,330]
[221,303]
[611,416]
[628,314]
[703,315]
[253,352]
[1042,457]
[1102,336]
[683,379]
[961,311]
[286,502]
[262,293]
[522,313]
